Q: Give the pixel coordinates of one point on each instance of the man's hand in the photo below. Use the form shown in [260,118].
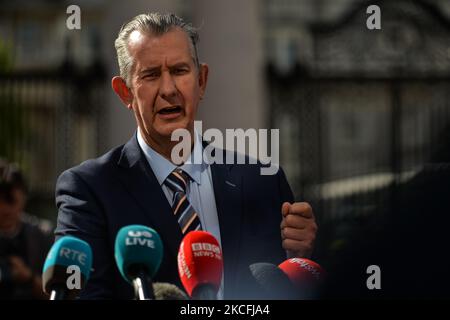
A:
[298,229]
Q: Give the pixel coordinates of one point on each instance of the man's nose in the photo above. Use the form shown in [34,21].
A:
[168,87]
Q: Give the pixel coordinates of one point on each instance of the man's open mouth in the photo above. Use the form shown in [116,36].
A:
[170,110]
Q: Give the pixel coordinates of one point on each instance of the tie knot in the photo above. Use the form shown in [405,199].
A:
[177,181]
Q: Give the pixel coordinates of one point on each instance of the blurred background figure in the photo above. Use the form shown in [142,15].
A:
[24,239]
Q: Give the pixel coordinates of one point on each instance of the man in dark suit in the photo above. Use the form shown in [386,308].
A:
[162,82]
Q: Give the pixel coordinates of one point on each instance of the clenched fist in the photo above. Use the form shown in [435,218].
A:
[298,229]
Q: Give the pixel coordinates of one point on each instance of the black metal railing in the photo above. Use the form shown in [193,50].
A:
[364,115]
[50,121]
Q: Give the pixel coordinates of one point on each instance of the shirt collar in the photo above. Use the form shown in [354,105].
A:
[163,167]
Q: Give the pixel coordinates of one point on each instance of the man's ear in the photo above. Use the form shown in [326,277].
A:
[203,78]
[121,89]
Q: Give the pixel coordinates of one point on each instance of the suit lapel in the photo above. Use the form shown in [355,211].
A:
[139,179]
[228,194]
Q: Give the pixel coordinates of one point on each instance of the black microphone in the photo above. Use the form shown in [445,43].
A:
[168,291]
[271,282]
[138,253]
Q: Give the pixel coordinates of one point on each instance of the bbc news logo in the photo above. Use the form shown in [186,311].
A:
[204,246]
[204,249]
[305,265]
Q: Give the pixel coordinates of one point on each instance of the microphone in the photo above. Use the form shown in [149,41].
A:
[168,291]
[138,253]
[271,282]
[306,275]
[66,268]
[200,265]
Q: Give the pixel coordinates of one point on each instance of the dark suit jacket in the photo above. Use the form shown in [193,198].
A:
[98,197]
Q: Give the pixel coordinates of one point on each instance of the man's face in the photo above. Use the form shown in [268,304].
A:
[166,85]
[10,212]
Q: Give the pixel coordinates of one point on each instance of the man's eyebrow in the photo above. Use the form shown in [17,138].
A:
[149,70]
[179,65]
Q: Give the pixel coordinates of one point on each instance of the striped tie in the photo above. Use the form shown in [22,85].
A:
[182,208]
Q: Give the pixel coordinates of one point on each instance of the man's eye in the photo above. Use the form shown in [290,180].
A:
[180,71]
[150,75]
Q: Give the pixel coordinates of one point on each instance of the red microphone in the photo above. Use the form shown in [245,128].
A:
[200,265]
[306,275]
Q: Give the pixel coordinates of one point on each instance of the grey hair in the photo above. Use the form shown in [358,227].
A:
[153,24]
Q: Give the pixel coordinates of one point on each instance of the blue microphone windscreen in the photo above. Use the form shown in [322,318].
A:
[138,245]
[68,251]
